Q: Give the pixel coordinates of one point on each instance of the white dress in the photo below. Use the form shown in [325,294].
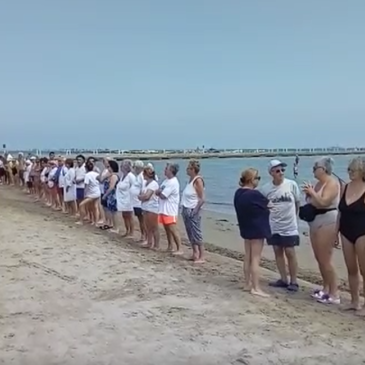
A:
[70,195]
[61,179]
[123,193]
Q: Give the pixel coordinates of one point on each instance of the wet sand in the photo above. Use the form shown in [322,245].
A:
[76,295]
[221,231]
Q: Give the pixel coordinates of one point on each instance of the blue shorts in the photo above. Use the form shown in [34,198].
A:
[283,241]
[80,193]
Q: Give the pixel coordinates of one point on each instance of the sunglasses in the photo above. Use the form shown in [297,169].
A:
[278,171]
[258,178]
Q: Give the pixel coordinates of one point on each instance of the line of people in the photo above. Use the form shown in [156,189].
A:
[117,193]
[334,211]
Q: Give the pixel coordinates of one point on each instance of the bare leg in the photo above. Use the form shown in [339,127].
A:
[115,219]
[169,237]
[315,239]
[325,246]
[292,264]
[256,251]
[360,250]
[247,265]
[350,256]
[176,237]
[280,262]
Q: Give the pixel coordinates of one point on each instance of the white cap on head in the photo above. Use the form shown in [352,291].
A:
[33,158]
[150,166]
[276,163]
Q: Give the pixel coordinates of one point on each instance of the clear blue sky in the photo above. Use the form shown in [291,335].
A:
[169,73]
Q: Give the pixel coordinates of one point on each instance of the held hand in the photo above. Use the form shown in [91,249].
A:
[308,189]
[270,204]
[196,211]
[158,192]
[336,241]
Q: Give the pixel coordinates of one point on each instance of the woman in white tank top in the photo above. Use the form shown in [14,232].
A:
[192,200]
[324,196]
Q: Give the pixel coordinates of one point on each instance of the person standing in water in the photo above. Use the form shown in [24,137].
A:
[295,171]
[284,195]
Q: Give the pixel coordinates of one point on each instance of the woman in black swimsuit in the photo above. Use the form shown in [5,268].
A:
[351,227]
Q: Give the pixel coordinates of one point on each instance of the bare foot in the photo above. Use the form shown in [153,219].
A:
[351,307]
[361,312]
[247,287]
[199,261]
[79,223]
[178,253]
[259,293]
[116,231]
[146,245]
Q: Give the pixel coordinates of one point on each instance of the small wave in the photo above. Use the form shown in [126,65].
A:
[222,203]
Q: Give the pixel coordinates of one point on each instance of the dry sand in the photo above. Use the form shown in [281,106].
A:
[75,295]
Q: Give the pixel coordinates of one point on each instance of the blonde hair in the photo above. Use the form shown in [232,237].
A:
[248,176]
[195,165]
[358,164]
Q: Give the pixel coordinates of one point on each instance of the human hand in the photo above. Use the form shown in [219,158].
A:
[308,188]
[336,241]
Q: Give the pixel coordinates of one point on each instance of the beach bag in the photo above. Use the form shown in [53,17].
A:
[307,213]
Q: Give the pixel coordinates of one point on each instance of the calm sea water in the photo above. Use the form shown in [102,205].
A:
[221,175]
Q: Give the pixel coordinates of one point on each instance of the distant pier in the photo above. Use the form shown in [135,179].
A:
[184,155]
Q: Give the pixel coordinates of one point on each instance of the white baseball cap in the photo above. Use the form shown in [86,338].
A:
[276,163]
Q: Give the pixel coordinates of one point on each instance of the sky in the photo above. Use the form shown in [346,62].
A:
[181,74]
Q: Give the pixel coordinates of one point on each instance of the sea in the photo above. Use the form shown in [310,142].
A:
[221,175]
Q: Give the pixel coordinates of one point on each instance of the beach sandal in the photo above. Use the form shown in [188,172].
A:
[105,227]
[278,284]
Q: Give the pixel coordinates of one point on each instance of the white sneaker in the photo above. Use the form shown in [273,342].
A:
[317,294]
[327,299]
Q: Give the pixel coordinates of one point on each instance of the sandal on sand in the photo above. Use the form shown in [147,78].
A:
[104,227]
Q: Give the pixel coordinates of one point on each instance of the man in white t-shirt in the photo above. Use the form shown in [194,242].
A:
[80,173]
[284,196]
[169,200]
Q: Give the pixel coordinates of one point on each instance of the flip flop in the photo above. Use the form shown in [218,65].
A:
[104,227]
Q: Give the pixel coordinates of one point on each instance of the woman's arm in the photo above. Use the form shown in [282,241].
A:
[261,201]
[113,181]
[329,194]
[199,188]
[146,196]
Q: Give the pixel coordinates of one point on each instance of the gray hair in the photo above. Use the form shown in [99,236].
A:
[326,163]
[174,168]
[138,164]
[358,164]
[127,165]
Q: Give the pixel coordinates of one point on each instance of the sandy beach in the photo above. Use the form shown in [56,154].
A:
[221,232]
[76,295]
